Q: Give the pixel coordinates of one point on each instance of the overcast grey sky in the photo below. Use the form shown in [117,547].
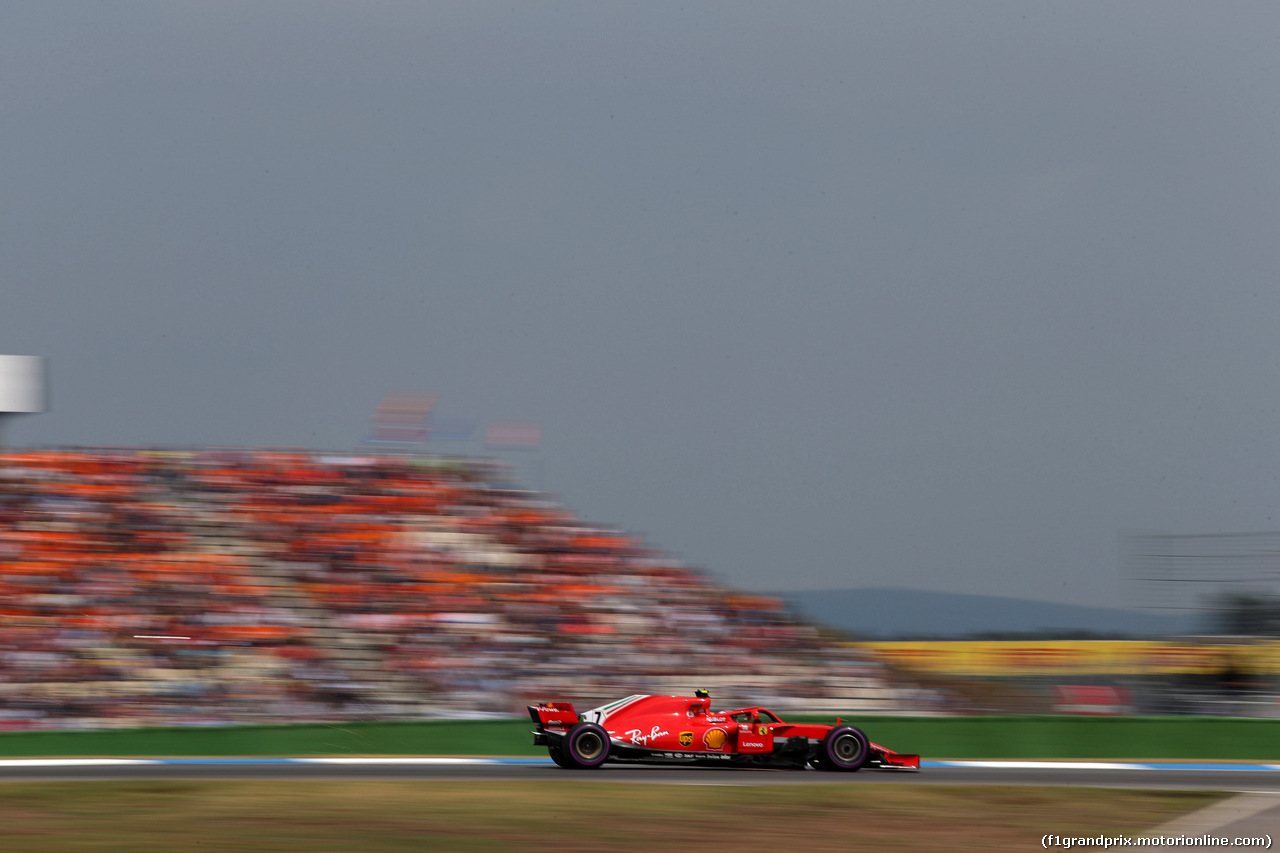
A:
[817,294]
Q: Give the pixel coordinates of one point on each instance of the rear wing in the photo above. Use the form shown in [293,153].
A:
[557,716]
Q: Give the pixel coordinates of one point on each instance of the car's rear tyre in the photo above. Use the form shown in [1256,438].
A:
[586,746]
[556,749]
[844,748]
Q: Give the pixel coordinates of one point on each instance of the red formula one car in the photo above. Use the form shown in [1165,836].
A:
[683,730]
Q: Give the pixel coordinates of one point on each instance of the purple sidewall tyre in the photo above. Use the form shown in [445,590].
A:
[587,745]
[845,748]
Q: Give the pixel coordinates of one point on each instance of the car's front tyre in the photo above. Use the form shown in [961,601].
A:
[844,748]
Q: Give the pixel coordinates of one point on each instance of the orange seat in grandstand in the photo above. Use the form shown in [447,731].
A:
[253,632]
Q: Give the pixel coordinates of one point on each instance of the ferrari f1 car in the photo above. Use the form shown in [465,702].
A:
[683,730]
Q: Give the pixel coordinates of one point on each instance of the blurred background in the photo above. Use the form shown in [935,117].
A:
[226,586]
[351,343]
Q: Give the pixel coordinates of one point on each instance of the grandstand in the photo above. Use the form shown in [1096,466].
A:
[203,587]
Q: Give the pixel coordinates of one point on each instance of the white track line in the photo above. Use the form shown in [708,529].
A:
[1213,817]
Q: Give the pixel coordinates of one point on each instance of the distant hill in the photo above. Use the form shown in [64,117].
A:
[905,613]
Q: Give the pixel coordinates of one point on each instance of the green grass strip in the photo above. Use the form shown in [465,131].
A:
[444,737]
[1214,738]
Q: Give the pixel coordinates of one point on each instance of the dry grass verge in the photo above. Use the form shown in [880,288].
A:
[335,817]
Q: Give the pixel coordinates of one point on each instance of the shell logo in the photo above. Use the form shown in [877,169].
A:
[715,738]
[686,738]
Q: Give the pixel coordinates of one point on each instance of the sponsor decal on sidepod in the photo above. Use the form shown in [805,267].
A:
[654,733]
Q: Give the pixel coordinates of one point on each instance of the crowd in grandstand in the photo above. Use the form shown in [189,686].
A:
[230,586]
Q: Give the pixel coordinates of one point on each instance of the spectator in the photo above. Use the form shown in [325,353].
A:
[224,586]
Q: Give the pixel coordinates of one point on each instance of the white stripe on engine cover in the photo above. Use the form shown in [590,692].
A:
[604,712]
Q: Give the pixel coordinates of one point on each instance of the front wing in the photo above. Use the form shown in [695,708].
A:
[887,759]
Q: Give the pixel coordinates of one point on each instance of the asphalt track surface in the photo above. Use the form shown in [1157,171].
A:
[1260,778]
